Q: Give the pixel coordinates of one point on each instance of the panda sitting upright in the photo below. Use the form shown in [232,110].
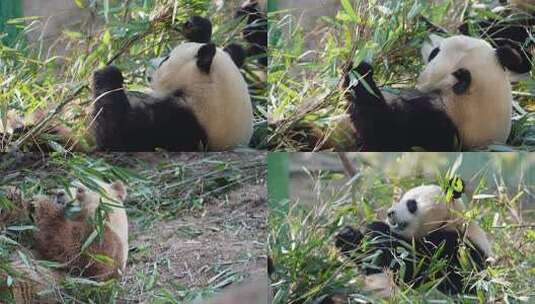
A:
[462,99]
[198,101]
[421,230]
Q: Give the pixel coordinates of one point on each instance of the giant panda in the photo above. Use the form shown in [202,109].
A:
[462,99]
[64,222]
[60,235]
[513,27]
[198,100]
[421,229]
[256,29]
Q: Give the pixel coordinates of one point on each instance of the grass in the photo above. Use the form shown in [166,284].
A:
[309,269]
[131,33]
[306,103]
[162,188]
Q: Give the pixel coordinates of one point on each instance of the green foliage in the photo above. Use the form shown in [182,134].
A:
[308,268]
[306,103]
[129,34]
[156,191]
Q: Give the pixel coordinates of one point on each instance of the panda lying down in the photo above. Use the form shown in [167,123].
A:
[462,99]
[198,100]
[420,230]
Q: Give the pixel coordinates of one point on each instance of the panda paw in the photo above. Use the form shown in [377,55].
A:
[237,53]
[348,239]
[109,77]
[363,71]
[364,68]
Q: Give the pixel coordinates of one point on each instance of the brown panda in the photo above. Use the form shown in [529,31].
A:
[60,239]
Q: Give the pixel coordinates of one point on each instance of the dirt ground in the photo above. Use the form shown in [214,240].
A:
[205,249]
[198,249]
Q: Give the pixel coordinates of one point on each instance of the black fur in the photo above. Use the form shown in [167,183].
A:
[410,121]
[379,248]
[121,126]
[197,29]
[515,34]
[205,56]
[412,206]
[433,54]
[510,59]
[464,79]
[237,53]
[255,32]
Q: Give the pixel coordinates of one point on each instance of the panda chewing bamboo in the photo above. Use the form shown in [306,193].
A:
[420,230]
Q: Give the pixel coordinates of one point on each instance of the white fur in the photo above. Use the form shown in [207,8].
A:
[220,99]
[380,284]
[434,213]
[483,114]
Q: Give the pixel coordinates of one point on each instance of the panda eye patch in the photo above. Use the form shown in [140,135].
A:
[164,60]
[412,206]
[433,54]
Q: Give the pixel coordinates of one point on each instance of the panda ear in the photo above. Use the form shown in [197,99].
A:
[205,56]
[510,59]
[120,189]
[237,53]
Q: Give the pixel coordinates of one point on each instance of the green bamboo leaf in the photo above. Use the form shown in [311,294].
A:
[89,240]
[348,8]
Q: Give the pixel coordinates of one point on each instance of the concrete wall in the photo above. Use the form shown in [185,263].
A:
[56,16]
[308,12]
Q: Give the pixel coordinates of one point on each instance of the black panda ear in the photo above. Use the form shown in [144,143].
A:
[205,56]
[510,59]
[237,53]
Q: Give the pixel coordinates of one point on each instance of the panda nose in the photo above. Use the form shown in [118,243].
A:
[390,213]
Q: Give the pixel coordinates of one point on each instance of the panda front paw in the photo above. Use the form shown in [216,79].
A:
[348,239]
[108,78]
[363,71]
[364,68]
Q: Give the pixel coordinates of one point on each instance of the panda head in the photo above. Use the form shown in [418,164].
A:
[422,210]
[207,80]
[474,81]
[462,64]
[89,200]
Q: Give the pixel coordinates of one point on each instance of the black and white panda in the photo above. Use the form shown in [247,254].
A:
[421,229]
[513,27]
[198,100]
[462,99]
[255,31]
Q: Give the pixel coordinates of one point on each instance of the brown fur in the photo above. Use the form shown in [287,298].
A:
[60,239]
[31,280]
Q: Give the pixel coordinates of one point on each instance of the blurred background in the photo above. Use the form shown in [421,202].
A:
[506,169]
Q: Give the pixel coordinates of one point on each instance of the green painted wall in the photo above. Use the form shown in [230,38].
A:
[272,5]
[9,9]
